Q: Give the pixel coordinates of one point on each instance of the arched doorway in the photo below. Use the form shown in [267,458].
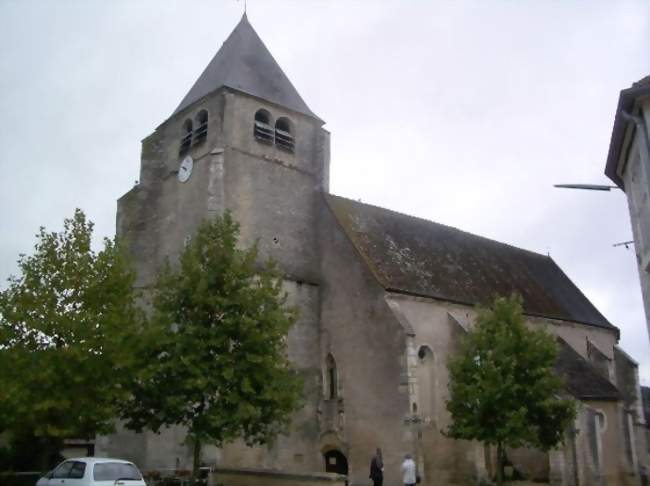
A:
[336,462]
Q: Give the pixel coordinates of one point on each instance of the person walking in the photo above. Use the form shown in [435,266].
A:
[377,469]
[408,471]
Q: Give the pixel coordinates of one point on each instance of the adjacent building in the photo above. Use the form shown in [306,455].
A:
[628,165]
[384,297]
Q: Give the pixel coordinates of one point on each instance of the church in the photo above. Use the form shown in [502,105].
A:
[384,297]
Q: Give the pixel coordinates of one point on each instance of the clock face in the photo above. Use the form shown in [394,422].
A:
[185,169]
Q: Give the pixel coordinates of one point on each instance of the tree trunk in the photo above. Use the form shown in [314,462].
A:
[487,458]
[499,464]
[44,458]
[196,459]
[49,449]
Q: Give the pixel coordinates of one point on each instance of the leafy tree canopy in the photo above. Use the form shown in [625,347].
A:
[69,330]
[221,368]
[503,388]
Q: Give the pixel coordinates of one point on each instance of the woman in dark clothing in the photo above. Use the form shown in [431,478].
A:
[377,469]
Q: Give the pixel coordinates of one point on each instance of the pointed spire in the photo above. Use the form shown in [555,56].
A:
[245,64]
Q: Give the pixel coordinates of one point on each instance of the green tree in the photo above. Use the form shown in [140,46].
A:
[221,369]
[503,388]
[69,327]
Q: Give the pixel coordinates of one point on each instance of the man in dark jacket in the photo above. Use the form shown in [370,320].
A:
[377,469]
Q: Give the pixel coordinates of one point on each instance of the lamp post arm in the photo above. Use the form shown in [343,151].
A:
[591,187]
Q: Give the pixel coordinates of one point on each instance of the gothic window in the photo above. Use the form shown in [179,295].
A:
[628,434]
[262,128]
[186,137]
[201,131]
[283,134]
[426,380]
[331,378]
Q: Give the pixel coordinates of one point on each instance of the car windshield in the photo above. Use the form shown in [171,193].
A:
[112,471]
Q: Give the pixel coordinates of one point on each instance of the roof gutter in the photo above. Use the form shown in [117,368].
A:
[611,327]
[640,124]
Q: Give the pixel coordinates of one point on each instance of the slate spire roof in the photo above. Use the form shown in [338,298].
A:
[245,64]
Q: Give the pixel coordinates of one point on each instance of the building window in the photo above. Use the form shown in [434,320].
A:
[425,353]
[186,137]
[331,378]
[283,135]
[262,128]
[425,374]
[201,131]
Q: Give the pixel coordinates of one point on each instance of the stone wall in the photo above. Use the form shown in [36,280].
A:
[261,477]
[435,328]
[368,345]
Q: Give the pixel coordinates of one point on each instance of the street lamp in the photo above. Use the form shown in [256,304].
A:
[591,187]
[596,187]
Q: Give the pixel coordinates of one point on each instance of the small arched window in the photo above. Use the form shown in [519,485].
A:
[201,131]
[262,128]
[425,353]
[186,137]
[283,134]
[331,378]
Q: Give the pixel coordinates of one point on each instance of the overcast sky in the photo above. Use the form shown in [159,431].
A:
[465,113]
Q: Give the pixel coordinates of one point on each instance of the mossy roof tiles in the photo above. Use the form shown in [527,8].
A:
[420,257]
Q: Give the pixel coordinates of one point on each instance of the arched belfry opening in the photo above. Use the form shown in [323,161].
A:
[186,137]
[262,128]
[284,134]
[331,378]
[336,462]
[201,131]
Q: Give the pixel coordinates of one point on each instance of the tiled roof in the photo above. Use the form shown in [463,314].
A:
[245,64]
[582,380]
[420,257]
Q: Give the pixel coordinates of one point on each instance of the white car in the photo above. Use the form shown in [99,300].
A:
[91,471]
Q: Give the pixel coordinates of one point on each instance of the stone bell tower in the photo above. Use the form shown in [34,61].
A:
[242,139]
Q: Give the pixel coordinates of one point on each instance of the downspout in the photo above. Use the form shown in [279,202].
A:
[639,121]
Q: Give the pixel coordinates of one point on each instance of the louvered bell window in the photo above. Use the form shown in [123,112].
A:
[263,130]
[201,132]
[186,137]
[283,137]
